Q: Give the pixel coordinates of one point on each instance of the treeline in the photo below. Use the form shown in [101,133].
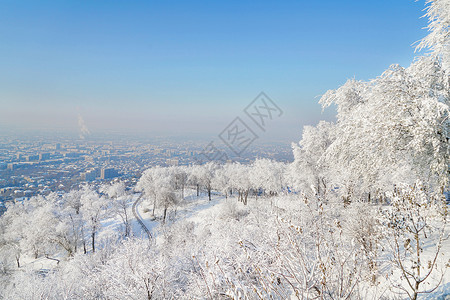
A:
[164,187]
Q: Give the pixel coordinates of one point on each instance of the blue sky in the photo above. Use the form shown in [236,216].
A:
[190,66]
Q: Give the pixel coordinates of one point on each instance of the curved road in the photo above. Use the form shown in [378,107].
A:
[138,217]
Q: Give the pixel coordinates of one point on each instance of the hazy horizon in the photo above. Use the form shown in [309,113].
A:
[190,69]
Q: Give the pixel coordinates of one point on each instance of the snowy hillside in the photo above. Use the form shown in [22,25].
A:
[275,246]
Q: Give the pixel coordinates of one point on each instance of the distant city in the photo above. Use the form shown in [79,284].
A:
[31,166]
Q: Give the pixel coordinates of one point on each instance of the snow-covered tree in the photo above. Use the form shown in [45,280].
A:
[203,176]
[239,175]
[416,221]
[160,183]
[120,203]
[309,172]
[12,222]
[181,178]
[267,175]
[438,40]
[221,181]
[392,129]
[93,209]
[133,272]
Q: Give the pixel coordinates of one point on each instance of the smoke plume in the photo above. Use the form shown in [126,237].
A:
[84,130]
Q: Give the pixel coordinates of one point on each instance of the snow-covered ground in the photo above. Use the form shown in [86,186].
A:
[205,213]
[229,232]
[190,206]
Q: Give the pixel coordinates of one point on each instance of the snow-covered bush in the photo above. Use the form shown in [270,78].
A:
[414,222]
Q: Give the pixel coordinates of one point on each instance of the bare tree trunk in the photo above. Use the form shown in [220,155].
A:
[154,205]
[318,186]
[324,187]
[127,226]
[93,241]
[165,213]
[75,231]
[416,287]
[84,240]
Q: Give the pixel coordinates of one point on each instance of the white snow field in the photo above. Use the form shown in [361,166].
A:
[275,246]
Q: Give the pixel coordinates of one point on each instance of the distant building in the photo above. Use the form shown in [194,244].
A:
[107,173]
[172,162]
[72,154]
[28,178]
[7,189]
[58,146]
[90,175]
[31,157]
[44,156]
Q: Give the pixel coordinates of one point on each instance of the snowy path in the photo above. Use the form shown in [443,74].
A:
[192,206]
[138,217]
[189,207]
